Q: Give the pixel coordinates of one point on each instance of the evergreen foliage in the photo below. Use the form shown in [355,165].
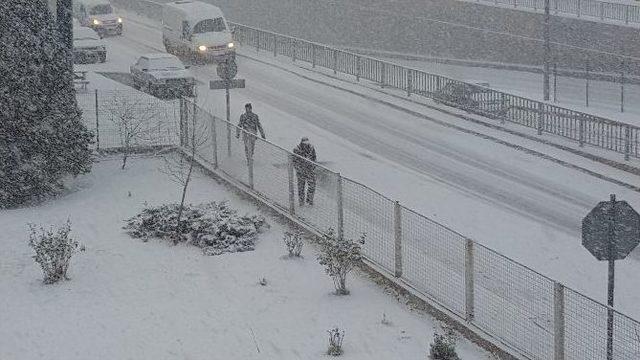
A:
[42,137]
[443,347]
[215,227]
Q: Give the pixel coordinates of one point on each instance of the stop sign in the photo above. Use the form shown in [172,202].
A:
[611,223]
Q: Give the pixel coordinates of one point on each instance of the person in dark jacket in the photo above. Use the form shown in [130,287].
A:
[305,166]
[250,123]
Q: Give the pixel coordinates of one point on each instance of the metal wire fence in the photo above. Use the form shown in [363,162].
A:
[119,116]
[534,315]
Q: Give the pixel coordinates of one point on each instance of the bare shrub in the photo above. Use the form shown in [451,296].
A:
[293,242]
[339,257]
[135,119]
[336,336]
[54,248]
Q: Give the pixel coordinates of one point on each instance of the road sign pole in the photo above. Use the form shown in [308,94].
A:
[611,277]
[610,311]
[610,232]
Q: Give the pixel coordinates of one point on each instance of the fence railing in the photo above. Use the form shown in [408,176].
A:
[603,10]
[580,127]
[533,314]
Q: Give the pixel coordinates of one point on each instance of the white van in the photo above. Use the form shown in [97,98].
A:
[98,15]
[196,29]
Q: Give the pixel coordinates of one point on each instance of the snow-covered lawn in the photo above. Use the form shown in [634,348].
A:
[128,299]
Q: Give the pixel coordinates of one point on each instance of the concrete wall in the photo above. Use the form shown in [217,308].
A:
[419,27]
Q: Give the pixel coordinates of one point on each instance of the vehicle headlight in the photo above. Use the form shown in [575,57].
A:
[230,45]
[119,20]
[96,22]
[202,48]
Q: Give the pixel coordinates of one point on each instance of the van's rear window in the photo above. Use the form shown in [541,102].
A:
[209,25]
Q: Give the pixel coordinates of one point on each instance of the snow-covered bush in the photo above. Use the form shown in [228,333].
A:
[335,342]
[443,347]
[42,137]
[339,257]
[215,227]
[54,248]
[293,242]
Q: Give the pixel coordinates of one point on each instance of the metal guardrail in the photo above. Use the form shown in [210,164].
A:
[532,314]
[603,10]
[581,127]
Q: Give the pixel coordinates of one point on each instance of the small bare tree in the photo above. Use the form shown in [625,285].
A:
[336,336]
[179,167]
[135,119]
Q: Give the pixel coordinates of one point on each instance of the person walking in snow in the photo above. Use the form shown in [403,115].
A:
[304,164]
[250,123]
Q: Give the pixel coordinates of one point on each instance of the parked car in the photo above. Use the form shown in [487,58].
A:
[162,74]
[197,30]
[473,97]
[88,46]
[98,15]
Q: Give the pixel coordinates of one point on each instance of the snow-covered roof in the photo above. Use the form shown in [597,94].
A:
[95,2]
[196,10]
[158,56]
[84,32]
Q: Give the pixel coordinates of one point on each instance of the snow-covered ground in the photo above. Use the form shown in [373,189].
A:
[128,299]
[526,207]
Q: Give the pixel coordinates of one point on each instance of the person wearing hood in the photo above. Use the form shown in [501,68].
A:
[304,164]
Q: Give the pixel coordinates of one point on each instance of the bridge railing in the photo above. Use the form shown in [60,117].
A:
[583,128]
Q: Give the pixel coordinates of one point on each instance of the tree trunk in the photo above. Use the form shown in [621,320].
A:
[184,193]
[126,151]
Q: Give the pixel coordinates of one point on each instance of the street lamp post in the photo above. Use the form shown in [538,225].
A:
[547,51]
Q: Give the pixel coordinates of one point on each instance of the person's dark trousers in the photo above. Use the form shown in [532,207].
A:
[310,181]
[249,146]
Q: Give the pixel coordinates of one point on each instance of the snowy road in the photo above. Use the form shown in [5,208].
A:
[521,205]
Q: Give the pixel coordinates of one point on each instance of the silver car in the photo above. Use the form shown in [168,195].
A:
[88,46]
[162,75]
